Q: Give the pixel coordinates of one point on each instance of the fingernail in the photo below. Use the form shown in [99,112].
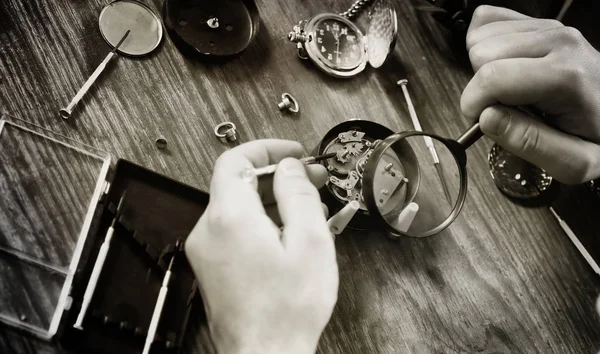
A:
[292,167]
[495,121]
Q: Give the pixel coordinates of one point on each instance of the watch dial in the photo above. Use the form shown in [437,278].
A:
[339,45]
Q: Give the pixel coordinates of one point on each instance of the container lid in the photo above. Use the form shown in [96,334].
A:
[211,29]
[382,32]
[50,187]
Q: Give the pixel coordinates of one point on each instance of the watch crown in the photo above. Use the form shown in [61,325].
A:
[298,37]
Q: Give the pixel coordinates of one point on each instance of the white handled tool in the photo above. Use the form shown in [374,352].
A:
[588,257]
[91,287]
[428,140]
[160,303]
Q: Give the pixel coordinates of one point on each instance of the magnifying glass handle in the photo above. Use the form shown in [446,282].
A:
[66,112]
[469,137]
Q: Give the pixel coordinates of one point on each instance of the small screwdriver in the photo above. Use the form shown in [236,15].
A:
[97,270]
[267,170]
[160,302]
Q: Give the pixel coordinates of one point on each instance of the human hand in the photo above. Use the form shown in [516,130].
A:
[265,290]
[523,61]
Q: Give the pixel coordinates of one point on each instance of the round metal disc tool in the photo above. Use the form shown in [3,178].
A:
[516,177]
[204,28]
[145,26]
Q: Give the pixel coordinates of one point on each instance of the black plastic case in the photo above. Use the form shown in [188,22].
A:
[49,242]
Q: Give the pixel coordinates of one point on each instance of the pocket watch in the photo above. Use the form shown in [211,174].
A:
[337,46]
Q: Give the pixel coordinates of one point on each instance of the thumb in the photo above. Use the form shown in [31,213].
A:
[299,206]
[567,158]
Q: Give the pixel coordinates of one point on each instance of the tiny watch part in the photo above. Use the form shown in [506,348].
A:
[161,143]
[338,47]
[226,132]
[289,103]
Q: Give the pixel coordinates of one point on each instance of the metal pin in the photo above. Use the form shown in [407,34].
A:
[384,191]
[65,113]
[388,167]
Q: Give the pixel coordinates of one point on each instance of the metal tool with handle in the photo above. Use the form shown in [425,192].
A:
[65,113]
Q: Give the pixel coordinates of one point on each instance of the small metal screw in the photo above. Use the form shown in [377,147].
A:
[161,143]
[231,135]
[213,22]
[384,191]
[288,102]
[388,167]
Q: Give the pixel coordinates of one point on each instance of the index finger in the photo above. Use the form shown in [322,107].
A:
[234,184]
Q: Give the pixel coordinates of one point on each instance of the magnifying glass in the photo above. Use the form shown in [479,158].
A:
[131,29]
[403,180]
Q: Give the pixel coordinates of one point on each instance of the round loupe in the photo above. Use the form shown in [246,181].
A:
[144,25]
[415,183]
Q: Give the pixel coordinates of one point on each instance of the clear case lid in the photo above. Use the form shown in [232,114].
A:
[49,187]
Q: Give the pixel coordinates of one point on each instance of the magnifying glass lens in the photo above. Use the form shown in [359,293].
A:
[415,185]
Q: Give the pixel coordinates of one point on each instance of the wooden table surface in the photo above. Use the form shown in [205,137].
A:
[502,279]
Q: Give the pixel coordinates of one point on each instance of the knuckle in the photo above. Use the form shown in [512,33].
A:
[570,75]
[484,11]
[573,74]
[223,219]
[478,55]
[486,76]
[568,35]
[552,23]
[472,39]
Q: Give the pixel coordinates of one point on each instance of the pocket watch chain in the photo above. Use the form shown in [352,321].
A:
[355,9]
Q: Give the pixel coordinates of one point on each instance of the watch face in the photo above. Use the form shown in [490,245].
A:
[339,44]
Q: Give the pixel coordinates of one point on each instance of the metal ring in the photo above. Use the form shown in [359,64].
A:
[225,134]
[295,108]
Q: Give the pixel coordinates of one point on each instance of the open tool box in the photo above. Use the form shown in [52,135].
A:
[59,199]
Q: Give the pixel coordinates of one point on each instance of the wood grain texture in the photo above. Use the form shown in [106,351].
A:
[501,279]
